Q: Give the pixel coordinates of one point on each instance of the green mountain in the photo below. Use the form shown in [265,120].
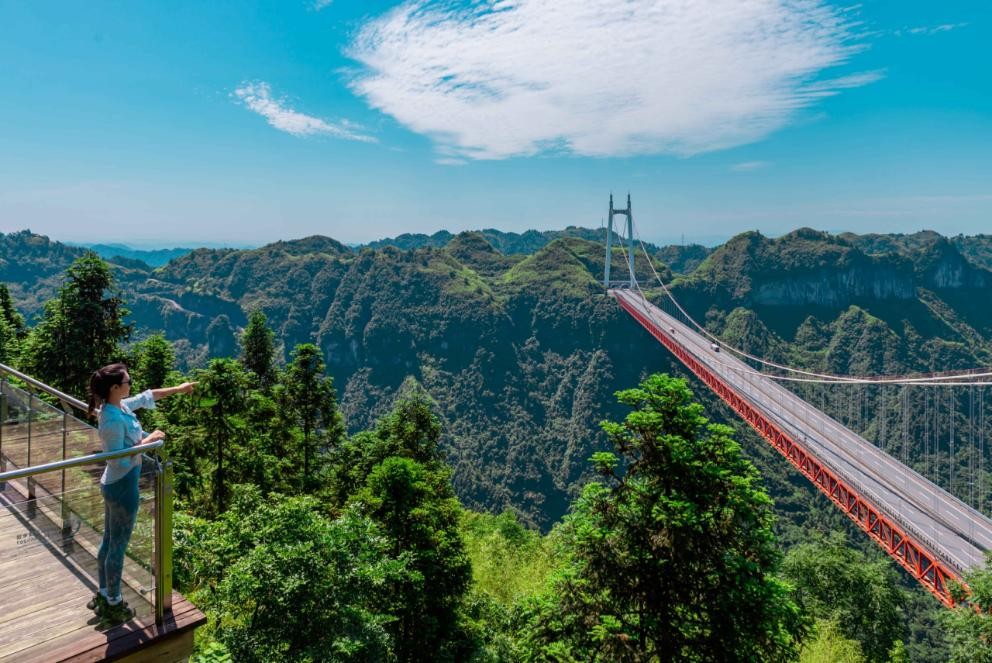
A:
[523,351]
[32,267]
[805,286]
[507,243]
[683,259]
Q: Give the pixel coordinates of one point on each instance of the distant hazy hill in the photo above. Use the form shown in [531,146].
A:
[32,266]
[150,257]
[508,243]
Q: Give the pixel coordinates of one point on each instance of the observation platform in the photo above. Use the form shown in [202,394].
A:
[51,524]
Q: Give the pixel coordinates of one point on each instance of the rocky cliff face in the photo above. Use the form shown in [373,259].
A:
[835,287]
[803,268]
[942,267]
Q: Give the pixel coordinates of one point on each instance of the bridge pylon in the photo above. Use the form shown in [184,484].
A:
[630,245]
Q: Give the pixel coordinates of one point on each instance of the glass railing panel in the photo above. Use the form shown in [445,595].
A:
[52,542]
[82,439]
[52,523]
[14,417]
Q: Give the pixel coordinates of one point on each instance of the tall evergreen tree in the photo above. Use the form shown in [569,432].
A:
[417,509]
[405,486]
[155,361]
[10,313]
[258,349]
[81,329]
[9,345]
[311,401]
[673,557]
[410,430]
[222,395]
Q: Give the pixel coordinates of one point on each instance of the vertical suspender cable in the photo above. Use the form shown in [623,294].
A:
[905,425]
[981,448]
[971,446]
[952,411]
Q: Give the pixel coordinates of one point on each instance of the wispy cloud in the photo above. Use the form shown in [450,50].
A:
[748,166]
[927,30]
[320,4]
[503,78]
[257,97]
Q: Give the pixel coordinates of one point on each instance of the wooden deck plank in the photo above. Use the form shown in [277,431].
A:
[45,586]
[54,587]
[119,642]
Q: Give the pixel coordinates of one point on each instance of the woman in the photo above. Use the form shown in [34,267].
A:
[119,428]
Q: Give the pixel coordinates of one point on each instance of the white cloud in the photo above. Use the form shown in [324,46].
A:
[748,166]
[502,78]
[320,4]
[257,96]
[935,29]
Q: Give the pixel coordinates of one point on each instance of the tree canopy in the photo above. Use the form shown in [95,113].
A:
[671,555]
[81,330]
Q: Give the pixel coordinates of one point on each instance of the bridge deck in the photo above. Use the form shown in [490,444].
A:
[953,531]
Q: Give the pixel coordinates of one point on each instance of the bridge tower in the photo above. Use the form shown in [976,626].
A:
[630,241]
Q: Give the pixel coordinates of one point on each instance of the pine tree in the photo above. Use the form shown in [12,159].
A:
[10,313]
[417,509]
[405,486]
[9,347]
[222,396]
[258,349]
[311,401]
[410,430]
[156,360]
[81,329]
[672,557]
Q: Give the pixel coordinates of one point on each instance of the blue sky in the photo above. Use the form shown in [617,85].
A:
[150,123]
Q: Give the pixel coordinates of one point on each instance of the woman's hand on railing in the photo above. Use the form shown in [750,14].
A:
[154,436]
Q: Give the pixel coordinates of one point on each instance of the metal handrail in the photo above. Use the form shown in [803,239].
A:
[80,460]
[162,562]
[65,398]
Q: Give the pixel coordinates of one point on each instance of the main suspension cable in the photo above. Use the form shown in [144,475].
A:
[931,380]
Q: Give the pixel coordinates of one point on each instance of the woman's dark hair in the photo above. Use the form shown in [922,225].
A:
[100,383]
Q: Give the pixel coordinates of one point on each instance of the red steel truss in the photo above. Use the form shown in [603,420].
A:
[915,558]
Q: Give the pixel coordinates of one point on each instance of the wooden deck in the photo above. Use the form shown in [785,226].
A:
[46,578]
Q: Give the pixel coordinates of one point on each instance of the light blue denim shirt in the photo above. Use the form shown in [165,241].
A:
[120,429]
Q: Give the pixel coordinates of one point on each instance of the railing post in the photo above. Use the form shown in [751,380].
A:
[163,539]
[3,421]
[65,513]
[30,418]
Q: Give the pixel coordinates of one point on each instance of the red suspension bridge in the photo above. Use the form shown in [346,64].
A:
[930,532]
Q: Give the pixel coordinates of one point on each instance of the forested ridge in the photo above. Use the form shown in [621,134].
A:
[517,358]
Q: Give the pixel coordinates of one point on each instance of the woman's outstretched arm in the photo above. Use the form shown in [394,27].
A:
[164,392]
